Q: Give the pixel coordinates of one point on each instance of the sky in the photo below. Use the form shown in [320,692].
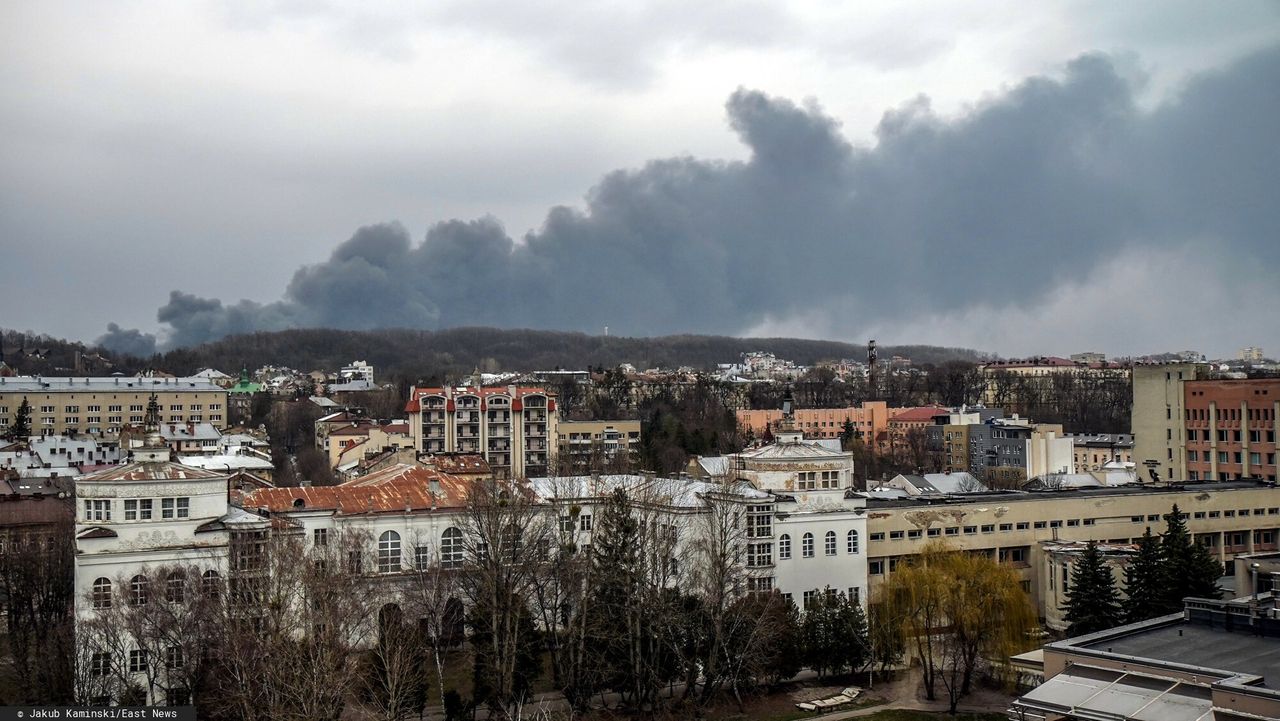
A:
[1021,178]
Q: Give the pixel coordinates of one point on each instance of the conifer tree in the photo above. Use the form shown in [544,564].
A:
[1144,581]
[1188,568]
[21,427]
[1093,604]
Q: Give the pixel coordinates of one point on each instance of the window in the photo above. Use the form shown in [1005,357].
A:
[989,528]
[97,510]
[806,545]
[1022,526]
[934,532]
[421,557]
[389,552]
[970,530]
[851,541]
[1055,524]
[139,589]
[175,507]
[584,522]
[1013,555]
[451,548]
[135,409]
[1006,526]
[174,658]
[759,554]
[1072,522]
[137,509]
[895,535]
[784,547]
[1229,514]
[175,407]
[914,534]
[567,524]
[137,661]
[876,568]
[101,593]
[113,409]
[829,543]
[100,664]
[1197,515]
[211,584]
[808,597]
[877,536]
[320,537]
[1042,524]
[952,530]
[175,588]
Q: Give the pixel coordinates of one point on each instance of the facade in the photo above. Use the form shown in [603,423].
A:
[1190,427]
[1229,428]
[580,443]
[1215,660]
[358,370]
[871,420]
[103,406]
[512,427]
[908,421]
[141,518]
[1049,450]
[1232,518]
[1060,559]
[1158,397]
[1092,451]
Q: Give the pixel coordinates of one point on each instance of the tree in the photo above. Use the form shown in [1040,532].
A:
[36,583]
[21,427]
[834,633]
[1144,581]
[1188,568]
[958,609]
[1093,604]
[847,434]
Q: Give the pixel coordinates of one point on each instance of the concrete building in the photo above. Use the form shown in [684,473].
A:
[103,406]
[1060,559]
[136,519]
[871,420]
[358,370]
[581,444]
[1231,518]
[1229,428]
[513,428]
[1049,450]
[1188,426]
[1092,451]
[1158,414]
[1252,354]
[1215,660]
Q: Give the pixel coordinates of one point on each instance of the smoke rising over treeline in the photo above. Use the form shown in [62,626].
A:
[1033,188]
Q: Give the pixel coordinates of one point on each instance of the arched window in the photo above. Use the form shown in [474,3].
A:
[389,552]
[138,590]
[829,543]
[784,547]
[451,548]
[853,541]
[806,545]
[175,588]
[101,593]
[211,584]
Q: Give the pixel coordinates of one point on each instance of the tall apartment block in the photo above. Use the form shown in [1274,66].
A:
[1189,427]
[513,428]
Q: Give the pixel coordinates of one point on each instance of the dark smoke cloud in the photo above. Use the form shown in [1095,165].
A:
[131,342]
[1026,191]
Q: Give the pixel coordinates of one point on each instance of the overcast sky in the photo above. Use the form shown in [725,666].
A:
[1015,177]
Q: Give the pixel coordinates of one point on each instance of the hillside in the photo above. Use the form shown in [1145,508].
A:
[412,354]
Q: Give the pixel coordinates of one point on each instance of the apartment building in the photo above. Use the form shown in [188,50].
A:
[1232,518]
[1092,451]
[512,427]
[871,420]
[1230,428]
[1158,442]
[581,444]
[102,406]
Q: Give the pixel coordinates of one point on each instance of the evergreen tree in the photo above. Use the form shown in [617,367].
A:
[847,434]
[615,569]
[1144,581]
[1188,568]
[21,427]
[834,634]
[1093,604]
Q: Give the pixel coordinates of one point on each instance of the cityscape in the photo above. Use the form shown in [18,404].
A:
[737,362]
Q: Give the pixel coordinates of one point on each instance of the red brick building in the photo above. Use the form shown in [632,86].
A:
[1230,428]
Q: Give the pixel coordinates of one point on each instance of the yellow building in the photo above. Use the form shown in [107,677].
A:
[580,444]
[1234,517]
[102,406]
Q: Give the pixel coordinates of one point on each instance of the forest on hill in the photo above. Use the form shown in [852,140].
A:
[418,354]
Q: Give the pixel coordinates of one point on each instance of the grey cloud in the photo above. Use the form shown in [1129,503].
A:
[1027,191]
[130,342]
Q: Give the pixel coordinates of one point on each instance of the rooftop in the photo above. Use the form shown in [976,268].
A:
[1014,496]
[48,384]
[400,488]
[1194,644]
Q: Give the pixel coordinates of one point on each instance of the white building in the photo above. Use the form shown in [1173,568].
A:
[134,520]
[358,370]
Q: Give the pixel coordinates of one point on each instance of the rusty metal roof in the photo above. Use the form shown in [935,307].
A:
[398,488]
[460,463]
[151,471]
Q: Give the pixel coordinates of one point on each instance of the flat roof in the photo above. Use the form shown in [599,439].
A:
[100,384]
[1007,496]
[1197,644]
